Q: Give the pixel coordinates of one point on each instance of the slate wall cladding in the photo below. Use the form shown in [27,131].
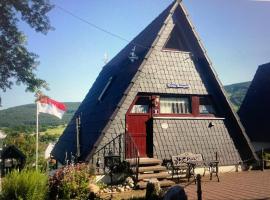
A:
[194,135]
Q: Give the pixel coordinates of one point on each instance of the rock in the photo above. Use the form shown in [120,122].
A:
[129,180]
[106,190]
[152,190]
[121,189]
[93,188]
[175,193]
[114,190]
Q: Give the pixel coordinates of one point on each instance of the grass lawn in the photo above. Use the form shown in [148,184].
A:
[55,131]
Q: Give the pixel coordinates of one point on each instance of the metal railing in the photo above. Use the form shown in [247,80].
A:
[115,147]
[130,153]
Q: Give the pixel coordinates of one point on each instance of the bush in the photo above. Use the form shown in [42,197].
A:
[25,185]
[71,182]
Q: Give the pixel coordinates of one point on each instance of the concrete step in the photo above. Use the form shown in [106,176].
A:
[160,175]
[155,168]
[145,161]
[163,183]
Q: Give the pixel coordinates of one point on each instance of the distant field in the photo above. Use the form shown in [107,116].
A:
[56,131]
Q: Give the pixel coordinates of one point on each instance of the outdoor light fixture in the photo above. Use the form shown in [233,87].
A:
[112,161]
[211,124]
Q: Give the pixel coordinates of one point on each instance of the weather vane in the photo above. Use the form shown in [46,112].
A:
[132,55]
[106,58]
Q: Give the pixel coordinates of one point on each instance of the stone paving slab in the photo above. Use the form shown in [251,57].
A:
[249,185]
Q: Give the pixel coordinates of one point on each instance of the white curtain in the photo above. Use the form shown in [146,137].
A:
[174,105]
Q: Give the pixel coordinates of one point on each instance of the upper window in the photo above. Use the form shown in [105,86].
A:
[105,88]
[176,41]
[175,105]
[141,105]
[206,105]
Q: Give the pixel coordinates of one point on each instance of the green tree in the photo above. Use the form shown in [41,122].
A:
[17,64]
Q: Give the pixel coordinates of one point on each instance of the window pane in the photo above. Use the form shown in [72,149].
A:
[206,106]
[174,105]
[141,105]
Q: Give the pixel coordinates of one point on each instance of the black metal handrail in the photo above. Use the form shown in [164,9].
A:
[112,147]
[132,154]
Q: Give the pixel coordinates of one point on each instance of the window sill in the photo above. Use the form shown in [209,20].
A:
[189,117]
[175,51]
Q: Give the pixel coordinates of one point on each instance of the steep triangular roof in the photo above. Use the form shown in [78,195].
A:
[255,109]
[104,107]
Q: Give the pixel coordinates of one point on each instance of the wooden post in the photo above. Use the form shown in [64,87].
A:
[78,124]
[199,187]
[262,160]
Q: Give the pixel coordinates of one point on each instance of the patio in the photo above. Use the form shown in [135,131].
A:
[241,185]
[250,185]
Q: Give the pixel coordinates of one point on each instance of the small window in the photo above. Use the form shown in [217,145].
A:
[206,105]
[141,105]
[105,89]
[175,105]
[176,41]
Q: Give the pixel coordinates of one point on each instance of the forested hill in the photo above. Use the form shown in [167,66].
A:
[237,92]
[25,115]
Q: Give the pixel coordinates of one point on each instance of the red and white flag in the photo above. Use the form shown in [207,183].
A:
[52,107]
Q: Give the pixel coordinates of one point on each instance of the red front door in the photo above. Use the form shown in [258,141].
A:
[137,119]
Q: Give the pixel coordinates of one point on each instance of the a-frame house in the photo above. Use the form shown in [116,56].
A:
[255,108]
[162,91]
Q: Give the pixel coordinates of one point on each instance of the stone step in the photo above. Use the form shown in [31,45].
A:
[160,175]
[145,161]
[163,183]
[155,168]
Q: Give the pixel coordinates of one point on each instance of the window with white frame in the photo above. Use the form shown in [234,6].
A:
[175,105]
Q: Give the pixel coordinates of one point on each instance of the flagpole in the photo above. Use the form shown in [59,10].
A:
[37,137]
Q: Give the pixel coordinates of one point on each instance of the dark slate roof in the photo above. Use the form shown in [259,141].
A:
[255,109]
[12,152]
[94,114]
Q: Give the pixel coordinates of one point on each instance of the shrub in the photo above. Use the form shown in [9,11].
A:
[71,182]
[25,185]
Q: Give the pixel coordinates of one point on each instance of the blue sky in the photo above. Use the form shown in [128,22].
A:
[236,34]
